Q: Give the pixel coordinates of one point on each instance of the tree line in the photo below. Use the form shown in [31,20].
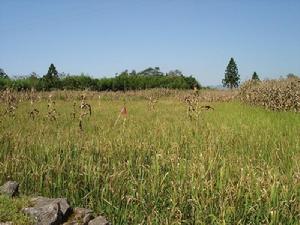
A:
[146,79]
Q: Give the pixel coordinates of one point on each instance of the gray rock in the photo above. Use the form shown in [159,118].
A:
[49,211]
[7,223]
[100,220]
[46,215]
[10,188]
[63,203]
[80,216]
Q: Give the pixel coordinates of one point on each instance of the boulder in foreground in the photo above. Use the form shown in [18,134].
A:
[47,211]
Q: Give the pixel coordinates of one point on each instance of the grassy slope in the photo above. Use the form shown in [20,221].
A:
[235,165]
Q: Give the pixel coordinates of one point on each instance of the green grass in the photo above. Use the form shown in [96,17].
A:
[234,165]
[10,210]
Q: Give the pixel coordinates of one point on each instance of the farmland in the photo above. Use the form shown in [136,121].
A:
[156,163]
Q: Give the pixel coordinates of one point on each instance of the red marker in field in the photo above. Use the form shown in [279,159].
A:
[124,111]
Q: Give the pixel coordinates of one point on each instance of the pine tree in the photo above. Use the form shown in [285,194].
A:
[51,78]
[232,76]
[255,76]
[52,73]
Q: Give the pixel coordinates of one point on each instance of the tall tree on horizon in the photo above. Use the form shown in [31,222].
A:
[51,78]
[232,77]
[52,73]
[255,76]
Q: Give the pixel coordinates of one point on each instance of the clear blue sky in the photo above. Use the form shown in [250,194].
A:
[198,37]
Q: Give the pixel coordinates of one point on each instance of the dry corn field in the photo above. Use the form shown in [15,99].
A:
[273,94]
[157,156]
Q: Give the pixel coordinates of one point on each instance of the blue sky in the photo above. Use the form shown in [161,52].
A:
[102,38]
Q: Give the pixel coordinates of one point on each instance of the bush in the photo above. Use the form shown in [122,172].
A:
[147,79]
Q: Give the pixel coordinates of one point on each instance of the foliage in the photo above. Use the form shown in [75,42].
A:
[3,75]
[232,76]
[52,73]
[51,79]
[4,80]
[146,79]
[292,76]
[255,76]
[5,83]
[80,82]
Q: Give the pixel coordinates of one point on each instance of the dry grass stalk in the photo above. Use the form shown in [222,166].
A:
[10,102]
[192,102]
[74,110]
[85,109]
[52,114]
[34,113]
[152,103]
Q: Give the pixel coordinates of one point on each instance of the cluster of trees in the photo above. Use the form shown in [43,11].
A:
[148,78]
[232,77]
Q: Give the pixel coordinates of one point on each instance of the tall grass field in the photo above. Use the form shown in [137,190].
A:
[155,164]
